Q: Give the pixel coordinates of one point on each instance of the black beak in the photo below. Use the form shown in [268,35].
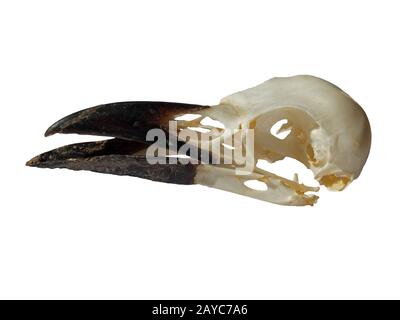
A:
[129,123]
[126,120]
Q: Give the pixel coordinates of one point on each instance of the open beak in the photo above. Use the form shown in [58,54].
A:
[125,154]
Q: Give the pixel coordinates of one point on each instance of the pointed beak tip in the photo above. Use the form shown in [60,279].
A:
[50,131]
[33,162]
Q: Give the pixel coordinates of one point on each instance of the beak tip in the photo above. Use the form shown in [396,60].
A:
[33,162]
[51,130]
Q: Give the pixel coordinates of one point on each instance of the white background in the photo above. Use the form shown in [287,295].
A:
[66,234]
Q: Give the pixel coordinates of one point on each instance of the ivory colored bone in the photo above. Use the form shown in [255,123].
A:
[329,133]
[320,125]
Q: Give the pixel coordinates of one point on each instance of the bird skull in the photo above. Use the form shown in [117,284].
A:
[324,129]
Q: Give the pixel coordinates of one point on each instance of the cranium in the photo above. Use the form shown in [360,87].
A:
[326,130]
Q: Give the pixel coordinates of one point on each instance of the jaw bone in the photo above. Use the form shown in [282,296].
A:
[325,129]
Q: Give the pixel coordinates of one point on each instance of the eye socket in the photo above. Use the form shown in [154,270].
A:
[256,185]
[281,129]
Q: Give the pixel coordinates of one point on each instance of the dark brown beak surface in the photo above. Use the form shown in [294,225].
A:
[129,123]
[126,120]
[115,156]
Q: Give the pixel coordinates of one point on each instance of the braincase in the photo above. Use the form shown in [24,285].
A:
[326,123]
[320,98]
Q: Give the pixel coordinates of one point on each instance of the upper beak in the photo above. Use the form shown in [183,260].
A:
[126,120]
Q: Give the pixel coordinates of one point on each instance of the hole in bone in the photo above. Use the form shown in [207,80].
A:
[309,193]
[182,156]
[279,129]
[228,146]
[199,129]
[207,121]
[188,117]
[287,168]
[256,185]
